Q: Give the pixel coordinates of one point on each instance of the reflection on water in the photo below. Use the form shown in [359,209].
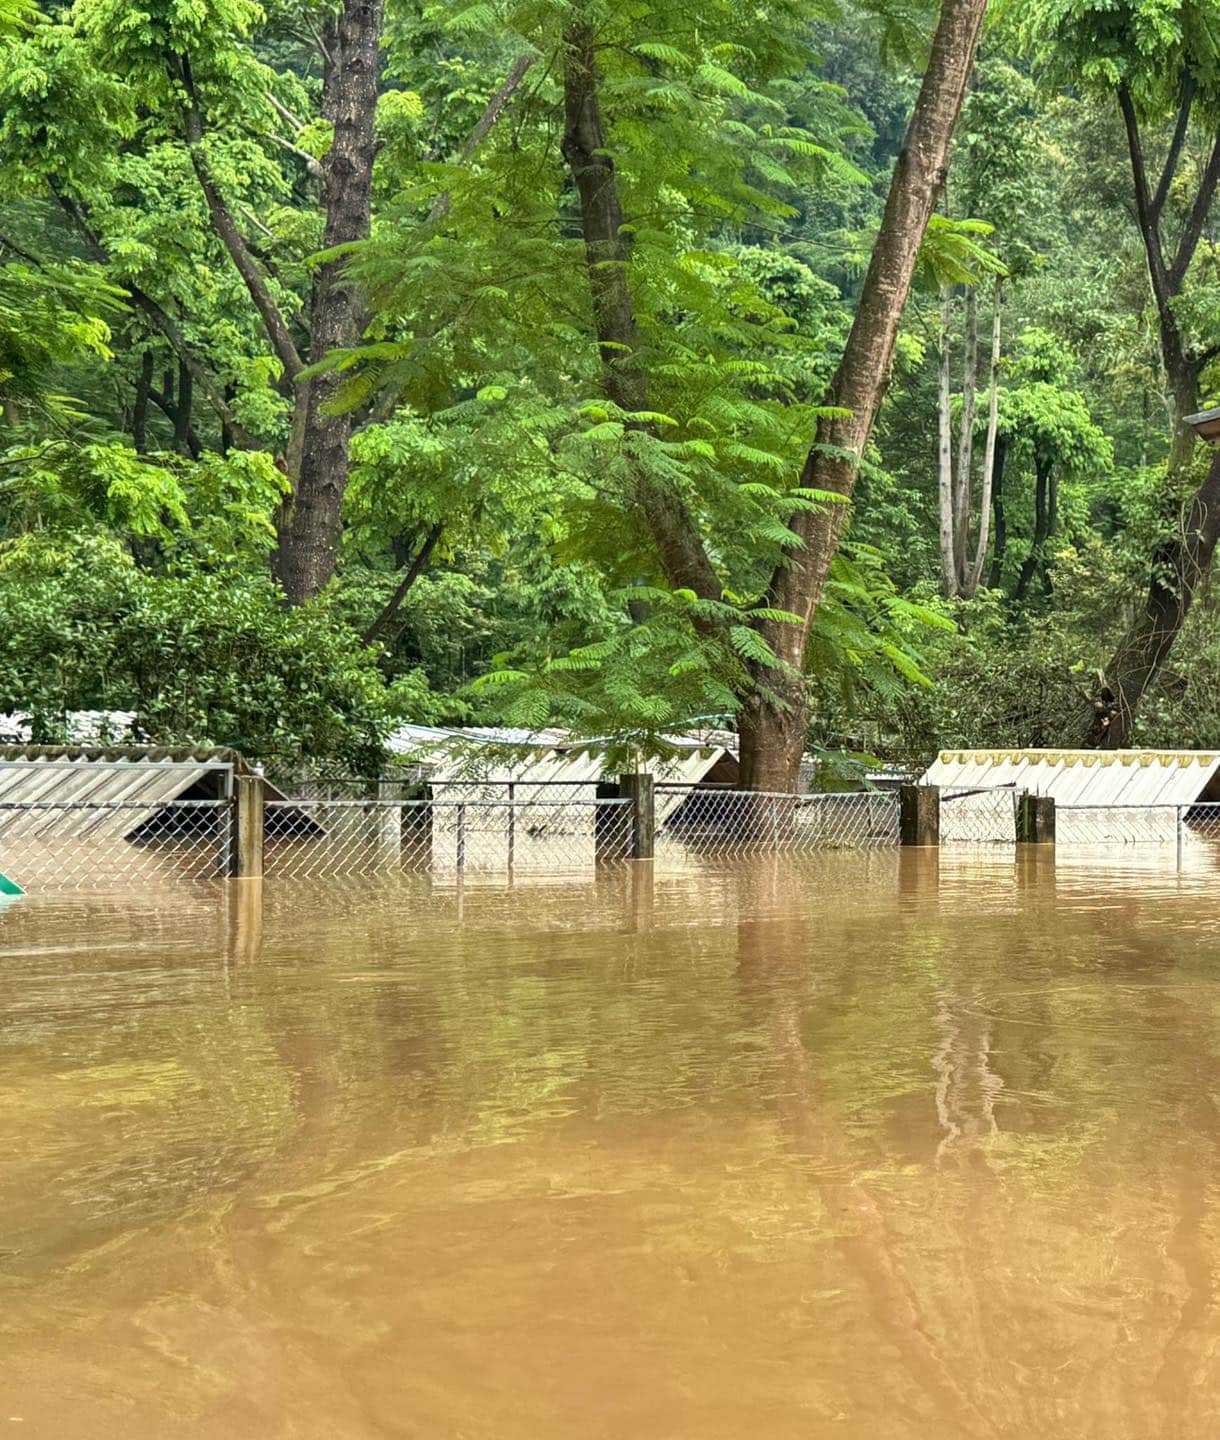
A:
[866,1145]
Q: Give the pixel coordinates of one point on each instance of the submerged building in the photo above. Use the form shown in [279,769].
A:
[1101,796]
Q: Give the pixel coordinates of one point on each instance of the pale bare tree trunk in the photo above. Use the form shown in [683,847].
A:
[965,447]
[993,423]
[948,559]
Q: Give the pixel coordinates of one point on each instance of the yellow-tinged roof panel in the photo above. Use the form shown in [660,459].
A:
[1082,777]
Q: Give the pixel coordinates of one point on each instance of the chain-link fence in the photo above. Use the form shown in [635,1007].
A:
[80,825]
[978,817]
[1092,826]
[94,845]
[697,821]
[1194,827]
[453,830]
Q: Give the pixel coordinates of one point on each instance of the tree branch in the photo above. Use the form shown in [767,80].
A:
[284,113]
[1146,220]
[485,124]
[1175,147]
[1196,220]
[312,163]
[414,571]
[234,242]
[164,322]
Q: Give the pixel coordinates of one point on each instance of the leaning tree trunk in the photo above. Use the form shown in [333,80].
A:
[310,526]
[1175,573]
[1145,646]
[680,548]
[774,721]
[1179,569]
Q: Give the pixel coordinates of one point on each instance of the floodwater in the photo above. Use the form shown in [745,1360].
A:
[877,1146]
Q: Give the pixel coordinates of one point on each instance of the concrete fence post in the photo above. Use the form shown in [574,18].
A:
[249,809]
[919,814]
[417,831]
[640,789]
[385,824]
[1035,819]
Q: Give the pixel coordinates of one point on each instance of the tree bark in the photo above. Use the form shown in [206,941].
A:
[310,524]
[139,418]
[680,547]
[774,720]
[965,448]
[185,404]
[989,452]
[944,452]
[1107,716]
[996,575]
[1179,569]
[1044,521]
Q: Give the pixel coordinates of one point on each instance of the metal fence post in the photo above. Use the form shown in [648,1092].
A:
[919,814]
[1035,819]
[512,824]
[249,808]
[640,789]
[461,836]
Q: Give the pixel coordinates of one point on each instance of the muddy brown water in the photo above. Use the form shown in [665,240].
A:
[863,1146]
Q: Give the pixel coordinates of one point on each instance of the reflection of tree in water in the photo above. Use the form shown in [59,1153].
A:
[1045,1258]
[775,947]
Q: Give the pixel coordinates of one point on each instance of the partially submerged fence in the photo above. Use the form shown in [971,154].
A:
[71,825]
[696,820]
[447,828]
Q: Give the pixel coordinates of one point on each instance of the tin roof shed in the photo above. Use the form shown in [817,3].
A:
[495,756]
[1085,777]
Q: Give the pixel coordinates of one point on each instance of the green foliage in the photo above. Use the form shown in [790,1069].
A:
[200,656]
[752,149]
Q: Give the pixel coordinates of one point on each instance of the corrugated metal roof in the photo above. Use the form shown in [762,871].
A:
[554,756]
[1082,777]
[140,786]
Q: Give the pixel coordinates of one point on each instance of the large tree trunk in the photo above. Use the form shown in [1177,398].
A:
[774,721]
[310,526]
[1178,571]
[680,547]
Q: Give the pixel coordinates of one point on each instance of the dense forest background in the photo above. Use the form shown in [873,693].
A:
[312,418]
